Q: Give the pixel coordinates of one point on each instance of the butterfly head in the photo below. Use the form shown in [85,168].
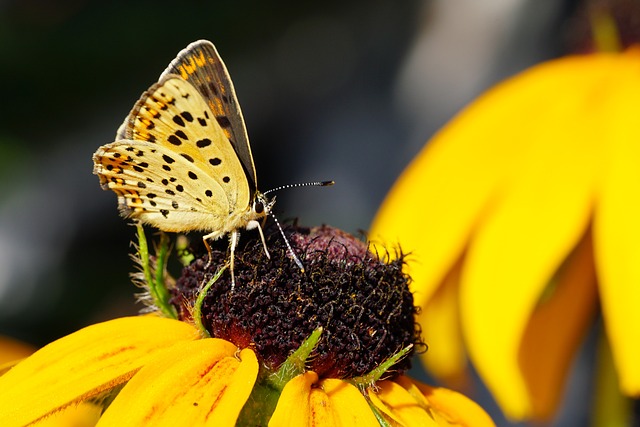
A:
[262,205]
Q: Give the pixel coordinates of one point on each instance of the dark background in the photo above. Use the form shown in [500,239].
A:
[348,91]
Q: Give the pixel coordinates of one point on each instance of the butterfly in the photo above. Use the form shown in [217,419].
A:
[182,160]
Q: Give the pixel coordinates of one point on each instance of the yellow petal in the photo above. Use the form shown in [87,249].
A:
[195,384]
[347,403]
[440,323]
[331,402]
[293,406]
[542,213]
[387,412]
[617,228]
[517,174]
[434,205]
[454,408]
[84,364]
[556,330]
[81,415]
[402,404]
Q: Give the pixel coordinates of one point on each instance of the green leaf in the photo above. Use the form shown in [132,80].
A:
[369,379]
[154,275]
[197,309]
[266,392]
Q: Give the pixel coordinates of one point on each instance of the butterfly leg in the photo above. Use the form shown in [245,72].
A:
[205,239]
[256,224]
[253,224]
[208,246]
[234,236]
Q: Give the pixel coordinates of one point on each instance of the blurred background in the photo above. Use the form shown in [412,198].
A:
[342,90]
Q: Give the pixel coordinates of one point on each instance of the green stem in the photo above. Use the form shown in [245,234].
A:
[143,256]
[197,309]
[606,37]
[295,363]
[265,394]
[156,283]
[611,408]
[367,380]
[376,413]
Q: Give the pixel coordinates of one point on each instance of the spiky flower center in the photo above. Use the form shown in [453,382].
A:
[361,300]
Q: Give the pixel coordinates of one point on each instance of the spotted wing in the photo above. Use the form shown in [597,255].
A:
[176,168]
[200,64]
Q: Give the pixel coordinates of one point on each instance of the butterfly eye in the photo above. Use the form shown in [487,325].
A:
[258,206]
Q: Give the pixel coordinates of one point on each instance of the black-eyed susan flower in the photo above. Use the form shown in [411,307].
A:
[325,347]
[522,216]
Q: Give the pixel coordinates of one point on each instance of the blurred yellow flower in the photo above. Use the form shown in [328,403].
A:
[521,216]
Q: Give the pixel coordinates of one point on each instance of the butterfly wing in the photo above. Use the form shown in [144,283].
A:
[174,167]
[200,65]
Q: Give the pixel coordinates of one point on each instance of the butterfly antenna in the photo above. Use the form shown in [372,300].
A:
[283,187]
[286,241]
[301,184]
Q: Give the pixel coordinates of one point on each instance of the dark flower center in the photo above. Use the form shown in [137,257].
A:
[362,303]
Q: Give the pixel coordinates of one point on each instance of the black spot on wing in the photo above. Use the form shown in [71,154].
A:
[178,120]
[192,175]
[174,140]
[223,121]
[215,161]
[214,89]
[204,142]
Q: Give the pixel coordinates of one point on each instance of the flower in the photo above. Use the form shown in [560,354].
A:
[327,347]
[522,216]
